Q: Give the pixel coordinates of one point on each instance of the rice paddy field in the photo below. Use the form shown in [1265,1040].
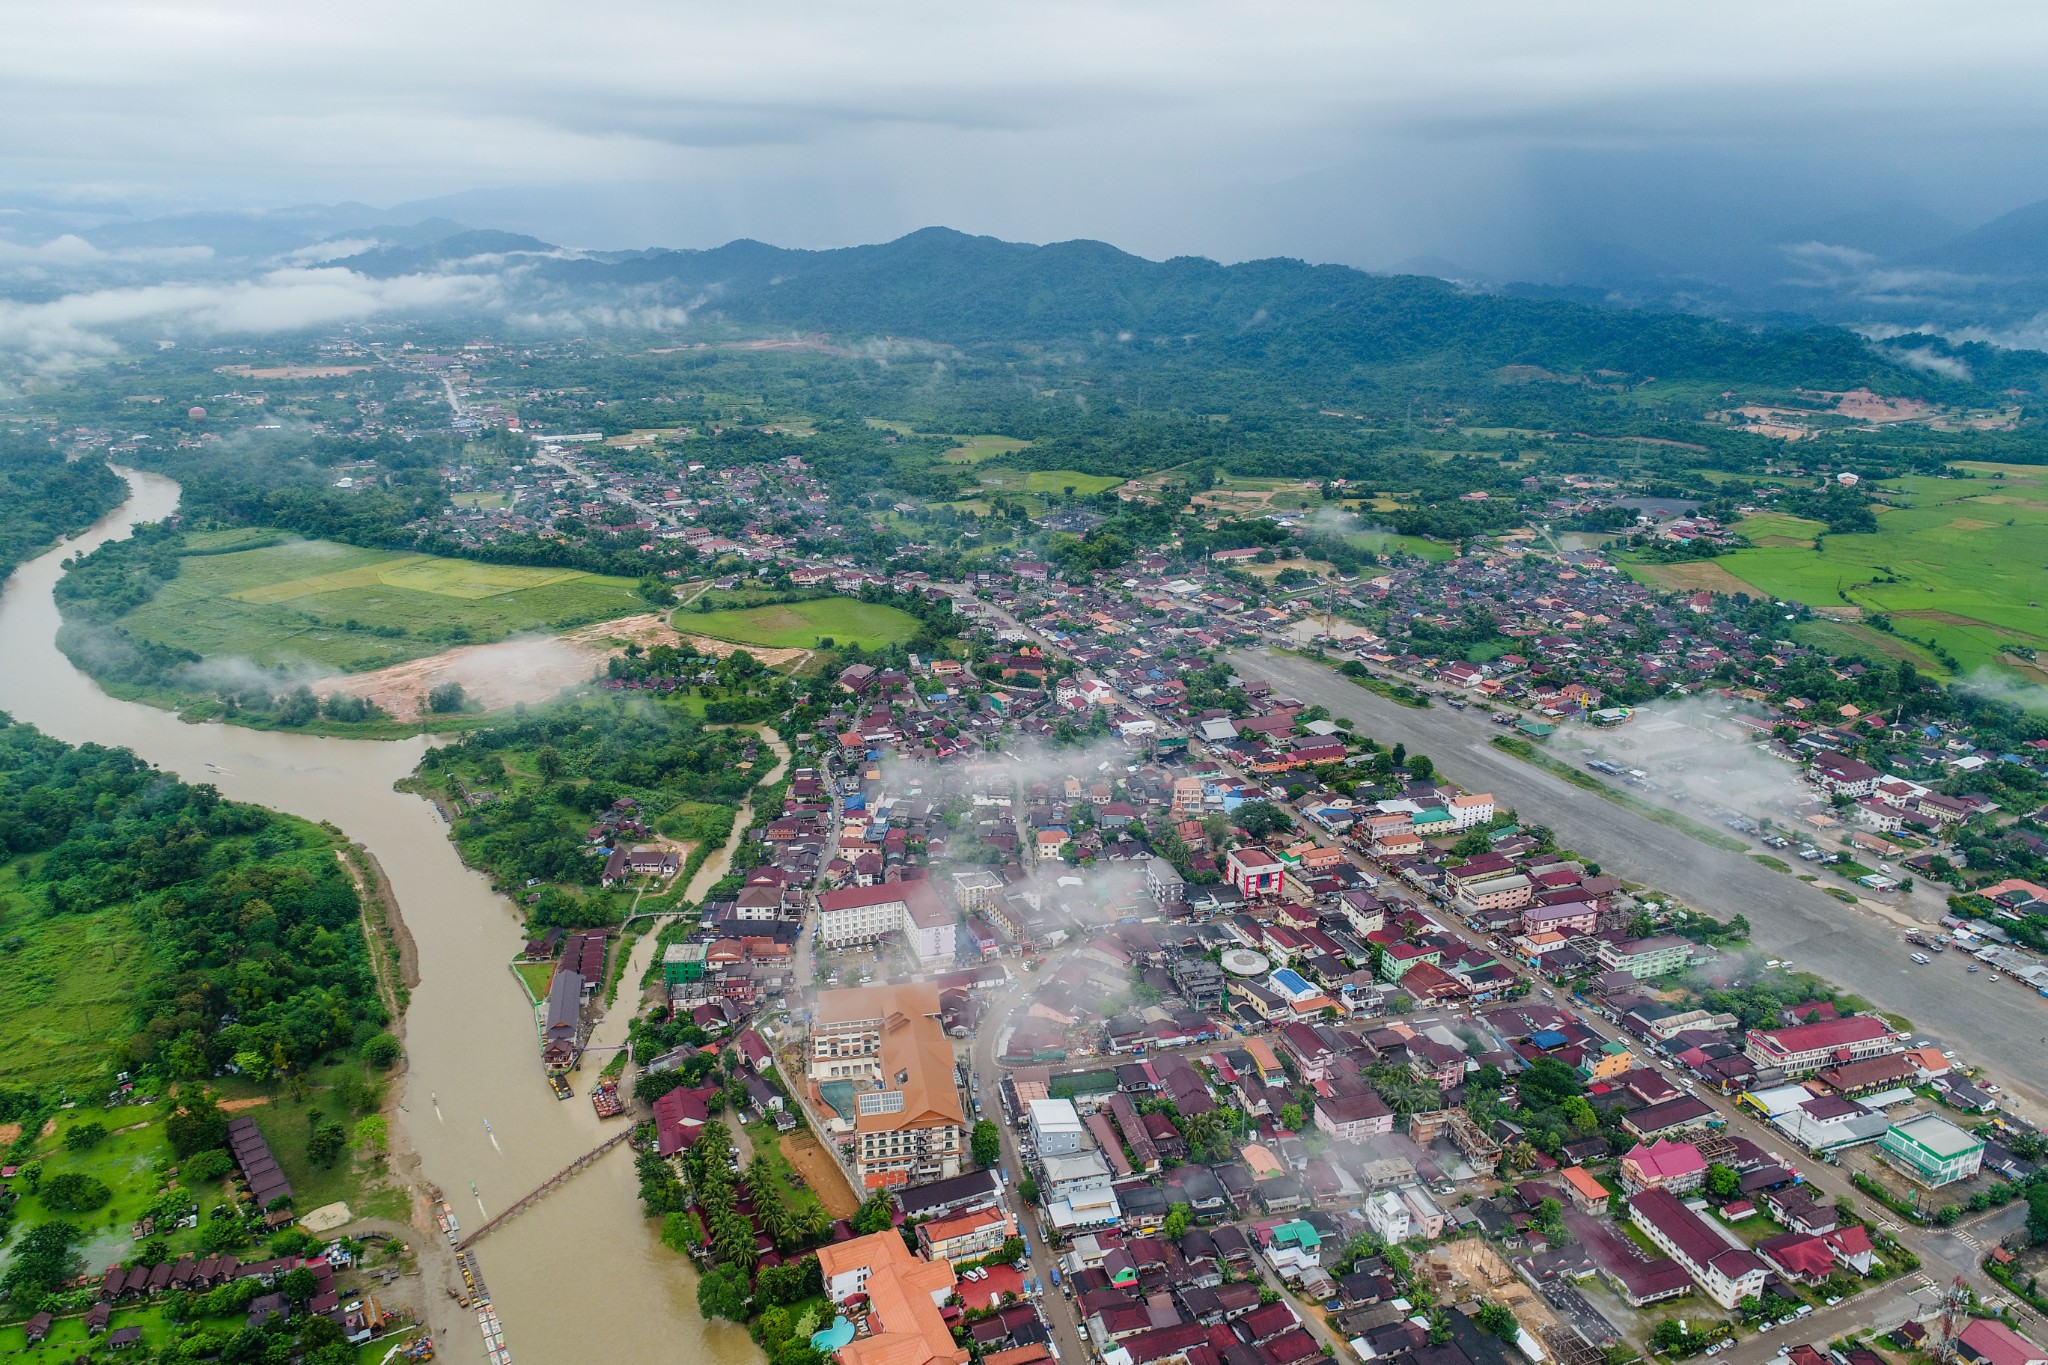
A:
[1961,563]
[312,602]
[802,625]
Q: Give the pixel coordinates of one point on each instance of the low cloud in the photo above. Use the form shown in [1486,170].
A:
[69,250]
[1928,359]
[2004,687]
[84,324]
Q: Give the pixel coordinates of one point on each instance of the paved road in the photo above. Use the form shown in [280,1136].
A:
[2003,1027]
[1060,1311]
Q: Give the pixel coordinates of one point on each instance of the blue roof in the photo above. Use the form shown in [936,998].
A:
[1291,980]
[1548,1039]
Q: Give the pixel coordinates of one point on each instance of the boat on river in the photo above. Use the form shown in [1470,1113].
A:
[605,1099]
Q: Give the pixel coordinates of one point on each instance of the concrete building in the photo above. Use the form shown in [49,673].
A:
[855,915]
[1726,1274]
[1056,1128]
[1254,872]
[1932,1150]
[1644,958]
[1805,1048]
[887,1041]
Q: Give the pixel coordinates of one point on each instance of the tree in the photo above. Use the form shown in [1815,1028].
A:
[44,1258]
[1420,768]
[875,1214]
[1497,1319]
[382,1051]
[2037,1212]
[82,1137]
[987,1143]
[197,1124]
[325,1140]
[1262,819]
[74,1192]
[1291,1117]
[1177,1219]
[446,699]
[1723,1182]
[722,1293]
[548,763]
[299,1284]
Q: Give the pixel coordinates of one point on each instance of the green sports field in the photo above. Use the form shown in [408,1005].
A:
[800,625]
[314,602]
[1962,563]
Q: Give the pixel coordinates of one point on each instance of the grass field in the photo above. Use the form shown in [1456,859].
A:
[1392,542]
[1851,637]
[293,604]
[1048,481]
[1959,562]
[975,449]
[800,625]
[65,979]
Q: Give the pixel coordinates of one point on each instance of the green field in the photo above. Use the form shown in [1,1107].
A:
[800,625]
[1851,637]
[1050,482]
[314,602]
[65,978]
[975,449]
[1959,562]
[1392,542]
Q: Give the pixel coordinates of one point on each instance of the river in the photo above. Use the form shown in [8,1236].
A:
[581,1275]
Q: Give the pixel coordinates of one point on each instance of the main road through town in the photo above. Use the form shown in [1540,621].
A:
[2003,1026]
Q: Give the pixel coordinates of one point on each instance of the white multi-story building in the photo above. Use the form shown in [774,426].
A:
[855,915]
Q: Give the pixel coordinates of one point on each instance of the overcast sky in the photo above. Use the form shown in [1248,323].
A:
[1353,131]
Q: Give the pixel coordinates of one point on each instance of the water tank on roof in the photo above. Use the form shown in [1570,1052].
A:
[1244,962]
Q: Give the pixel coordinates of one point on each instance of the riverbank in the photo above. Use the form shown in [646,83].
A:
[468,1040]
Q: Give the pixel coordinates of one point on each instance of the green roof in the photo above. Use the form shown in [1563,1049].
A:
[1298,1232]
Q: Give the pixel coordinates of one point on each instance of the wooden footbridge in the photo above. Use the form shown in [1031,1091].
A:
[546,1187]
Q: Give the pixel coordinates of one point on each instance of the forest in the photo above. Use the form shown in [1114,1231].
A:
[46,497]
[247,932]
[529,791]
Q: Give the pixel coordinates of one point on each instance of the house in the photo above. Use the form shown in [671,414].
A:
[1056,1128]
[963,1236]
[1587,1194]
[903,1295]
[1840,775]
[1352,1118]
[1987,1341]
[1727,1274]
[1799,1257]
[1674,1166]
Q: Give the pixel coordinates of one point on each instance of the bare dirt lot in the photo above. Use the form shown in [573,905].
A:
[499,675]
[820,1172]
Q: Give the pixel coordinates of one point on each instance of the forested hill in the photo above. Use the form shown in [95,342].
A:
[1328,326]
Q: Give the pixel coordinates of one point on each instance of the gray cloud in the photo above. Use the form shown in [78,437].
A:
[1356,131]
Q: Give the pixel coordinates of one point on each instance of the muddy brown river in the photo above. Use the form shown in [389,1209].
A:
[579,1276]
